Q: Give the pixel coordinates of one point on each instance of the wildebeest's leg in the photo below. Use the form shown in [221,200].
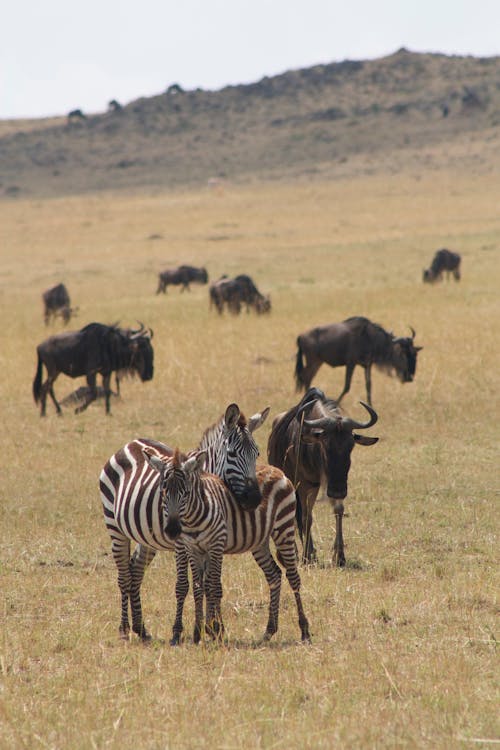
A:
[286,556]
[368,381]
[106,384]
[50,388]
[181,591]
[91,393]
[306,497]
[338,545]
[138,564]
[272,572]
[348,376]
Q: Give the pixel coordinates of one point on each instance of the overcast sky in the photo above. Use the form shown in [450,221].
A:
[58,55]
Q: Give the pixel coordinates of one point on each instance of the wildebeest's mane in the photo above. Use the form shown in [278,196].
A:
[378,341]
[278,440]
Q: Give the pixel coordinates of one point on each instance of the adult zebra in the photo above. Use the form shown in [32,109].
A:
[131,501]
[205,519]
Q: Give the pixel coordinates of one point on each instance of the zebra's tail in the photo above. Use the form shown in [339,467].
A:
[299,367]
[37,383]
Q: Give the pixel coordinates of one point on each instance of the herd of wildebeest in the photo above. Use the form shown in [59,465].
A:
[216,500]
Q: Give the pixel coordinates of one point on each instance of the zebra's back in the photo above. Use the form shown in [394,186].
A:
[130,495]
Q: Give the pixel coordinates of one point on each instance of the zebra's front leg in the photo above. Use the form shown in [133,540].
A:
[214,625]
[197,574]
[272,572]
[181,591]
[338,558]
[140,560]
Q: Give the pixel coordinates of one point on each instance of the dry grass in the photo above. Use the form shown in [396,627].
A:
[404,639]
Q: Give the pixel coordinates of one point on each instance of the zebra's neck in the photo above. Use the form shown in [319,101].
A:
[211,442]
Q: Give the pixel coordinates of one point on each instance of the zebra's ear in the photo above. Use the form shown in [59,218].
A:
[195,463]
[258,419]
[232,416]
[153,460]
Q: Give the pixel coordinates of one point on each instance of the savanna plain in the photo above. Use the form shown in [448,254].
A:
[404,639]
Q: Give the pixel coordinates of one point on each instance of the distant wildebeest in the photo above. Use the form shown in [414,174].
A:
[444,260]
[114,106]
[355,341]
[76,114]
[181,276]
[95,349]
[312,444]
[236,292]
[56,302]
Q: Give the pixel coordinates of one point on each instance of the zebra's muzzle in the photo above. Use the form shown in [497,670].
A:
[173,529]
[251,496]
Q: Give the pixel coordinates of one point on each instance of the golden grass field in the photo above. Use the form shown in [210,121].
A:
[403,651]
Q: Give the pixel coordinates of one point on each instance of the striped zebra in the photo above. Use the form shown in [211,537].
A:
[130,496]
[200,511]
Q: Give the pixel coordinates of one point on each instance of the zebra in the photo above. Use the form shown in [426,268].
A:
[130,495]
[197,503]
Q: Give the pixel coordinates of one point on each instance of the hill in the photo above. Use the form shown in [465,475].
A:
[353,116]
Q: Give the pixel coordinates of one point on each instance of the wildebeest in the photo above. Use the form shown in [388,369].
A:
[355,341]
[181,276]
[76,114]
[312,444]
[95,349]
[236,292]
[56,302]
[444,260]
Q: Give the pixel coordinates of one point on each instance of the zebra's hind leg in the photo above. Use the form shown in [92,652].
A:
[197,575]
[121,555]
[287,557]
[138,564]
[272,572]
[213,571]
[181,591]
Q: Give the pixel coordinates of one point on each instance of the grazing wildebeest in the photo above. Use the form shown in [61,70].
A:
[444,260]
[181,276]
[56,302]
[312,444]
[355,341]
[76,114]
[95,349]
[237,292]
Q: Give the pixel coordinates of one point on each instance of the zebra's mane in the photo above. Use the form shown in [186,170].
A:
[213,433]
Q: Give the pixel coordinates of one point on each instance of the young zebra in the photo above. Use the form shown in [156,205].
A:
[130,496]
[189,493]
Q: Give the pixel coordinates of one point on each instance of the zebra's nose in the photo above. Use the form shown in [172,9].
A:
[251,495]
[173,529]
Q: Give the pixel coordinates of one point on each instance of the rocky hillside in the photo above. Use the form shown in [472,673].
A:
[328,118]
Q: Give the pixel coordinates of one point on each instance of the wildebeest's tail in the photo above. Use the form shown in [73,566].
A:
[299,367]
[37,383]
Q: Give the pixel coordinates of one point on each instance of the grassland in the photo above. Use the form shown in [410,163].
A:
[404,639]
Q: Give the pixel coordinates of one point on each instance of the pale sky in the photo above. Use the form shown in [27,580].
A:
[58,55]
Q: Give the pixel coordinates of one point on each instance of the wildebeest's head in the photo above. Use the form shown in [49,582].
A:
[404,357]
[333,432]
[141,352]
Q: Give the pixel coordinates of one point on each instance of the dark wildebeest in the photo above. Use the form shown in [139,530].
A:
[312,444]
[56,302]
[95,349]
[76,114]
[355,341]
[181,276]
[237,292]
[444,260]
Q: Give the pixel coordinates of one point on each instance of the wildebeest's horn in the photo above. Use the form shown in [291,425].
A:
[136,334]
[325,423]
[412,332]
[353,425]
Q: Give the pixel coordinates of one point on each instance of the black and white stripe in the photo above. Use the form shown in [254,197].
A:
[196,506]
[130,495]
